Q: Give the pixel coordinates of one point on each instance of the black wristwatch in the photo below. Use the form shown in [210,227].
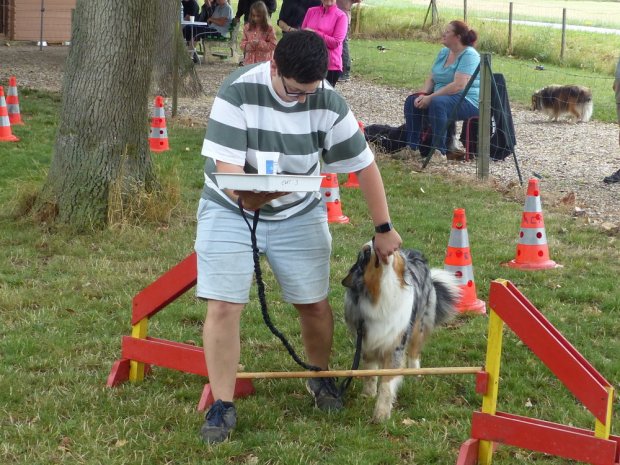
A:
[383,228]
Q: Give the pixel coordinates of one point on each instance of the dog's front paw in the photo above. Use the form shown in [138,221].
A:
[369,388]
[382,413]
[414,363]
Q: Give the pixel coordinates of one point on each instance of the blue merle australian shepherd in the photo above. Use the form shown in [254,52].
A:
[399,304]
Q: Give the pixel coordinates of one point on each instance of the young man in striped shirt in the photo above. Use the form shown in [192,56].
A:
[283,107]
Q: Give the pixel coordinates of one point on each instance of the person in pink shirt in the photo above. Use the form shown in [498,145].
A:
[331,24]
[259,38]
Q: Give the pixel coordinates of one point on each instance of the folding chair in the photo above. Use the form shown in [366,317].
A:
[220,46]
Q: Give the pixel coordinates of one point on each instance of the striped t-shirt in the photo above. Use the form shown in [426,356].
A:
[249,117]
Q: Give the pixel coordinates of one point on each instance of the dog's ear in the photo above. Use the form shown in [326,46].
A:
[408,276]
[363,258]
[349,279]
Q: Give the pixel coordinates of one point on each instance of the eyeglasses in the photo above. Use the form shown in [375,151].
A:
[302,94]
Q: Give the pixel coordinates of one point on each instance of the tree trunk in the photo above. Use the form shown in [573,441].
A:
[102,139]
[168,17]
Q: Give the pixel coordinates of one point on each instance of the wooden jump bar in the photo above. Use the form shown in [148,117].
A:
[361,373]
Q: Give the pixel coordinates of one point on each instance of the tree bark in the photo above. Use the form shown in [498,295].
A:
[102,139]
[168,16]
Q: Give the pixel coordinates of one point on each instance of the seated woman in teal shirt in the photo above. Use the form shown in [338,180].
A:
[454,66]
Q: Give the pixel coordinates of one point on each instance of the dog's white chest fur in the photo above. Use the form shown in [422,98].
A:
[391,313]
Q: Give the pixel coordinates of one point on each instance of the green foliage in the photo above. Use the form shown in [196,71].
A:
[65,303]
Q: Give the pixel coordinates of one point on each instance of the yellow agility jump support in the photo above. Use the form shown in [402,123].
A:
[136,369]
[493,359]
[509,307]
[603,430]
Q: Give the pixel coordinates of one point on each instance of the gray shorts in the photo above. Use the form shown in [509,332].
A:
[298,250]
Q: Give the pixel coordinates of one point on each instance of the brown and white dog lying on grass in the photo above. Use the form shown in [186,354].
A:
[555,101]
[400,303]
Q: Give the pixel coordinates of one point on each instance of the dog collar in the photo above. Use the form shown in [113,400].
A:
[383,228]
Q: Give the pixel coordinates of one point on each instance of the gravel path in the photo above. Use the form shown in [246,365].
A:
[570,159]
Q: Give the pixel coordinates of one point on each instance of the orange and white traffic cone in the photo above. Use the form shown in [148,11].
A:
[158,137]
[6,135]
[532,248]
[12,102]
[352,180]
[458,262]
[330,193]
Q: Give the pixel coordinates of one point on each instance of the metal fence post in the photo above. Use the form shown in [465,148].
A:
[41,30]
[510,29]
[358,18]
[563,46]
[434,13]
[484,121]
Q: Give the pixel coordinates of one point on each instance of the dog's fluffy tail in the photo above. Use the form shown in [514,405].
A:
[447,293]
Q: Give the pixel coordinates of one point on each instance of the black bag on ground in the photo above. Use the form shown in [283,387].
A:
[503,139]
[389,138]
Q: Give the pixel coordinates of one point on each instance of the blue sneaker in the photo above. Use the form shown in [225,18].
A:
[219,422]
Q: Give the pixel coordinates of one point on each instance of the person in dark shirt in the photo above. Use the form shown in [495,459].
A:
[190,8]
[206,11]
[243,9]
[292,13]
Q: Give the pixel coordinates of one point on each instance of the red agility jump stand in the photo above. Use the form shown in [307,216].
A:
[489,426]
[139,351]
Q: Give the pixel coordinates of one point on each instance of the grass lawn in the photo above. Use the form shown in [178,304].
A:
[65,303]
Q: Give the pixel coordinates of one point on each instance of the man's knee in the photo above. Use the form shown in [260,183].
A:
[315,309]
[220,311]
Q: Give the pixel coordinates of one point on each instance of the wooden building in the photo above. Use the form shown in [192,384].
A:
[29,20]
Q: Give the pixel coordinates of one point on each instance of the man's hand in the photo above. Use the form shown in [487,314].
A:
[254,200]
[386,244]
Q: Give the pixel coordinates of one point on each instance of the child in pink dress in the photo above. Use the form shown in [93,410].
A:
[259,38]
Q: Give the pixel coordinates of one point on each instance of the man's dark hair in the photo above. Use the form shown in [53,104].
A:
[302,56]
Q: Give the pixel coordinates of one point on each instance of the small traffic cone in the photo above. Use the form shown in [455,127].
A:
[12,102]
[330,194]
[458,261]
[352,180]
[158,138]
[5,124]
[532,249]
